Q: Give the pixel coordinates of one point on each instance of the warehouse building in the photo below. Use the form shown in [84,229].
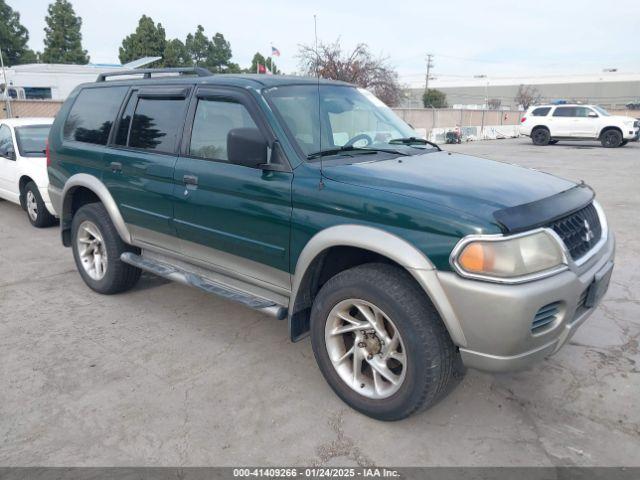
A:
[610,89]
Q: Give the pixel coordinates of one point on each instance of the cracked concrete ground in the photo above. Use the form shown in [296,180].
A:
[167,375]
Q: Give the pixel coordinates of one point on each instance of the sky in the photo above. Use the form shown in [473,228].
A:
[467,38]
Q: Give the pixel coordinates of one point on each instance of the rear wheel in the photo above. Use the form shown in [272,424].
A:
[37,212]
[96,250]
[380,343]
[611,138]
[540,136]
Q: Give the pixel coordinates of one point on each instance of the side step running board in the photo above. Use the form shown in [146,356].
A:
[185,277]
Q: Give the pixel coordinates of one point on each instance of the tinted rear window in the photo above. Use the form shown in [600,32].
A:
[32,140]
[156,124]
[541,112]
[93,114]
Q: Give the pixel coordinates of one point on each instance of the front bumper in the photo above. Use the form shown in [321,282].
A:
[496,319]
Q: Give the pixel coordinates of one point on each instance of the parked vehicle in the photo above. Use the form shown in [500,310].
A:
[311,201]
[548,124]
[453,136]
[23,167]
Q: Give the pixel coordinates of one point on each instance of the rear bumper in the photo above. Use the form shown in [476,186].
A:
[496,320]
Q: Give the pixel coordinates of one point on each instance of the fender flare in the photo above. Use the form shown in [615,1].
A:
[96,186]
[387,245]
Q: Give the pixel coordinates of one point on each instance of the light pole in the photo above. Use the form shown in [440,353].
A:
[6,86]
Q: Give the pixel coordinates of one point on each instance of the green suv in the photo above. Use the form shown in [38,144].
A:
[309,200]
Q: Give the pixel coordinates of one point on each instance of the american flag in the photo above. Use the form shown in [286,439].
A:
[274,51]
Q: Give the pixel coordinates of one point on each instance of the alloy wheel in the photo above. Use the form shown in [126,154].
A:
[91,250]
[365,348]
[32,206]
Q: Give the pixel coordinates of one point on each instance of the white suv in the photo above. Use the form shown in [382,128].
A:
[547,124]
[23,167]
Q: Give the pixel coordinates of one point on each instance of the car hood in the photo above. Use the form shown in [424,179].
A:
[464,183]
[621,118]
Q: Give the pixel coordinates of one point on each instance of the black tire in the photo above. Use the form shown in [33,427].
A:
[611,138]
[623,143]
[39,217]
[433,362]
[553,142]
[540,136]
[118,276]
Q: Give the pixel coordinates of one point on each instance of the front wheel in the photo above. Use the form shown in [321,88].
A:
[611,139]
[96,250]
[380,343]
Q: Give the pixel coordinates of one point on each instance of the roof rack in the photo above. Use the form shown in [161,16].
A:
[147,72]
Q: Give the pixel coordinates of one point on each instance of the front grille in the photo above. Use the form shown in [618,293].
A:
[579,231]
[545,317]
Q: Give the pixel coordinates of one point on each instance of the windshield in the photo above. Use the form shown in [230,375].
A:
[601,111]
[349,118]
[32,140]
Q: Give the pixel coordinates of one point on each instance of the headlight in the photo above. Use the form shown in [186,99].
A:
[510,258]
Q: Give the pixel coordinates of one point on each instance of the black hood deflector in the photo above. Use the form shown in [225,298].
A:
[545,211]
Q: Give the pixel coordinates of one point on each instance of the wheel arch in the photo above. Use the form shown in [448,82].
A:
[610,127]
[341,247]
[81,189]
[22,184]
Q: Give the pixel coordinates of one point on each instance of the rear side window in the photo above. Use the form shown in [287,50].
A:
[156,124]
[541,112]
[93,114]
[564,112]
[211,125]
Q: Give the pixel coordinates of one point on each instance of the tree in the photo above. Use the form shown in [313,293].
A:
[198,46]
[63,39]
[219,53]
[359,67]
[494,103]
[434,98]
[14,37]
[176,54]
[527,96]
[149,40]
[259,59]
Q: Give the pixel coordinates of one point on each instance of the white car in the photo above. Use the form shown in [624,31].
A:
[23,167]
[547,124]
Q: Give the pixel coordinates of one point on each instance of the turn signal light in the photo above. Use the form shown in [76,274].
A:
[46,149]
[477,258]
[522,120]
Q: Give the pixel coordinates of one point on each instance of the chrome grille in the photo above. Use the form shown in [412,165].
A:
[579,231]
[545,317]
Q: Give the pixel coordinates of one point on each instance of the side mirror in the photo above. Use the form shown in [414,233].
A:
[8,152]
[592,115]
[246,146]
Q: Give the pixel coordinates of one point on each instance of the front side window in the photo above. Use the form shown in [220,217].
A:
[156,124]
[92,115]
[343,116]
[213,121]
[6,142]
[32,140]
[601,111]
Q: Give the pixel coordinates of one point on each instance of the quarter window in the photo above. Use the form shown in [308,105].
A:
[541,112]
[156,124]
[211,125]
[92,114]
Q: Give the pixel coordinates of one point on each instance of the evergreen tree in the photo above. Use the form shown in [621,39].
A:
[13,37]
[149,40]
[198,46]
[63,39]
[259,59]
[219,53]
[176,54]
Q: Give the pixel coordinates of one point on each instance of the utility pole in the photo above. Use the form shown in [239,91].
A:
[429,67]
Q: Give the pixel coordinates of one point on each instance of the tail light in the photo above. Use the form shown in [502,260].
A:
[46,149]
[523,119]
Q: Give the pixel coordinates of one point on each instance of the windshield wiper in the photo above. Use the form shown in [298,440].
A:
[412,141]
[352,149]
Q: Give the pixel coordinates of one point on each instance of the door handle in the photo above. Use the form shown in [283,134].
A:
[115,167]
[190,180]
